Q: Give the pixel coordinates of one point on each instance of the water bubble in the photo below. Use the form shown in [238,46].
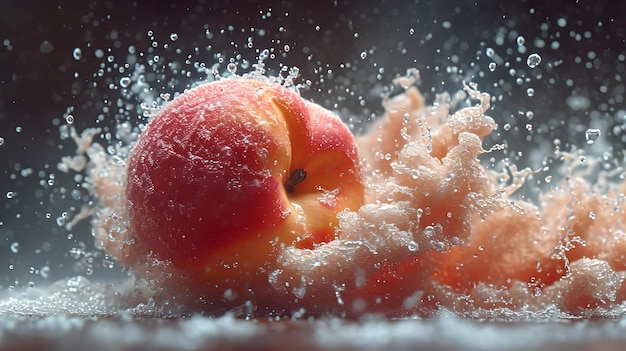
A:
[173,36]
[232,67]
[77,54]
[286,48]
[10,194]
[15,247]
[490,52]
[533,60]
[46,47]
[125,82]
[530,92]
[363,55]
[44,272]
[1,141]
[592,134]
[413,246]
[492,66]
[521,40]
[429,231]
[264,54]
[69,119]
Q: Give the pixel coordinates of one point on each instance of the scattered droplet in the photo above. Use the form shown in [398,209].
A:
[69,119]
[530,92]
[44,272]
[125,82]
[592,134]
[15,247]
[232,67]
[173,36]
[429,231]
[490,52]
[363,55]
[492,66]
[10,195]
[1,141]
[521,41]
[77,54]
[46,47]
[533,60]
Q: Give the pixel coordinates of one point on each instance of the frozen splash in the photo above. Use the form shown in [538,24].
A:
[442,231]
[439,230]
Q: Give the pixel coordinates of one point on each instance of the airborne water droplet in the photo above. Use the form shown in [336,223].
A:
[77,54]
[592,134]
[15,247]
[46,47]
[125,82]
[492,66]
[533,60]
[232,68]
[173,36]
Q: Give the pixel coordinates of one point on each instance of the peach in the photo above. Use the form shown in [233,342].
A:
[229,173]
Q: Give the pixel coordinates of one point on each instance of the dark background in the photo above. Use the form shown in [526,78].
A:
[40,79]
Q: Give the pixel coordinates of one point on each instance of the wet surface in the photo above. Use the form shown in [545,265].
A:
[228,333]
